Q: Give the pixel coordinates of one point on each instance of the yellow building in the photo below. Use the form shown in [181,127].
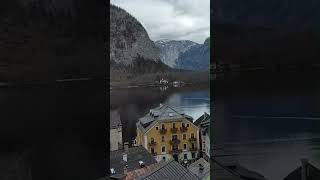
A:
[167,133]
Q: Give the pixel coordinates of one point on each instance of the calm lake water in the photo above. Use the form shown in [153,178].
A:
[270,122]
[53,133]
[136,102]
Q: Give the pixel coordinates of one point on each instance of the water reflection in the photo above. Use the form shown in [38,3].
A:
[135,103]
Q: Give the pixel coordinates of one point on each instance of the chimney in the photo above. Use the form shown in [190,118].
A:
[126,147]
[201,167]
[304,169]
[125,169]
[125,153]
[141,164]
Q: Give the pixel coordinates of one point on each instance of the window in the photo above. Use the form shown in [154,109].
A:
[163,149]
[163,126]
[192,145]
[157,128]
[192,135]
[187,125]
[183,125]
[174,137]
[152,139]
[162,138]
[173,125]
[175,147]
[164,158]
[184,146]
[152,150]
[193,155]
[184,136]
[185,156]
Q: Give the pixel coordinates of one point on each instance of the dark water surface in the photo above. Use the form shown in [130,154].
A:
[53,132]
[268,121]
[136,102]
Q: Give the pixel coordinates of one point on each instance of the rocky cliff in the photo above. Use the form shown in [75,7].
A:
[131,50]
[195,58]
[171,49]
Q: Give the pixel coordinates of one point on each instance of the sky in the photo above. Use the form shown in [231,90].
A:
[171,19]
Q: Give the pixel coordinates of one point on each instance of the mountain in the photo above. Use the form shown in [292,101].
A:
[196,57]
[170,50]
[132,52]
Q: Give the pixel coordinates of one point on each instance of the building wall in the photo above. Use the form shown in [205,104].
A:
[154,133]
[116,139]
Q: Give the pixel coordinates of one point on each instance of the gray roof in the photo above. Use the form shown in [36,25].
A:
[163,113]
[170,170]
[115,121]
[195,169]
[135,154]
[228,169]
[313,173]
[203,120]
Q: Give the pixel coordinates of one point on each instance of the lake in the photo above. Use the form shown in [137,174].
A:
[268,121]
[53,133]
[134,103]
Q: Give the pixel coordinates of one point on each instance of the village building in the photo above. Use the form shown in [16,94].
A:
[169,170]
[200,168]
[115,131]
[203,123]
[130,163]
[168,133]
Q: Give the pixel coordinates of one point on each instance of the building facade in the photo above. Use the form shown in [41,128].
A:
[168,134]
[116,142]
[203,123]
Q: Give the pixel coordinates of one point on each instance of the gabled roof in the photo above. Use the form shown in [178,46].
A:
[203,120]
[229,169]
[195,168]
[134,155]
[169,170]
[163,113]
[313,173]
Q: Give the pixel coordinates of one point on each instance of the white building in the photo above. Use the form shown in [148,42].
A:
[203,123]
[116,142]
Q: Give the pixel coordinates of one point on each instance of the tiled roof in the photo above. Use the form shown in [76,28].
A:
[115,121]
[170,170]
[162,113]
[134,155]
[204,119]
[195,168]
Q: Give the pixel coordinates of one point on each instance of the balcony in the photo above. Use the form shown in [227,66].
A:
[174,141]
[183,129]
[193,139]
[163,131]
[152,143]
[175,151]
[174,130]
[193,149]
[154,154]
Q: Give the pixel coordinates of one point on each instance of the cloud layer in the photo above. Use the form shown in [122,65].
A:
[171,19]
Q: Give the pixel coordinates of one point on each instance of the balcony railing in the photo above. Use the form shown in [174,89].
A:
[174,130]
[163,131]
[175,151]
[152,143]
[192,139]
[193,149]
[183,129]
[174,141]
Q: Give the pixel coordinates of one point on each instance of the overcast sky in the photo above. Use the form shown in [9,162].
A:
[171,19]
